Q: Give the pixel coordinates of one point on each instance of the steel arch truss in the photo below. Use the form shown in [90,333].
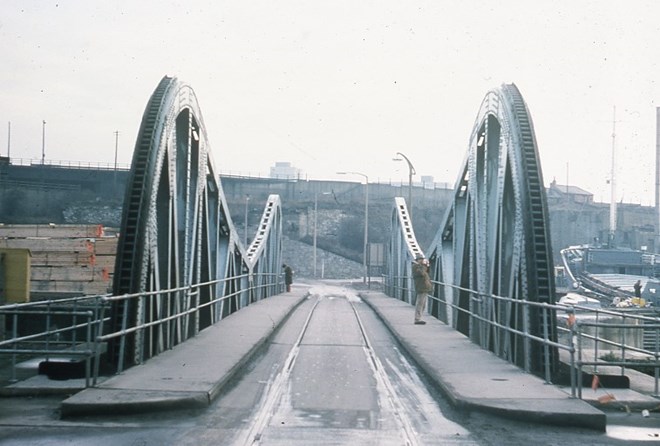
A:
[265,252]
[177,233]
[402,251]
[495,237]
[493,240]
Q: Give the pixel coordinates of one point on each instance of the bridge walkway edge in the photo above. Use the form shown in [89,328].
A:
[193,373]
[475,379]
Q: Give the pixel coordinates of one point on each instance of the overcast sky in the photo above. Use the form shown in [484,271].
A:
[339,85]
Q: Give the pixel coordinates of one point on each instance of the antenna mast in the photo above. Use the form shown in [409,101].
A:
[613,210]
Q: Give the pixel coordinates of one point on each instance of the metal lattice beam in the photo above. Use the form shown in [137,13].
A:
[177,233]
[402,251]
[494,238]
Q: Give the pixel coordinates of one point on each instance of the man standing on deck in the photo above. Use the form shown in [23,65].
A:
[288,276]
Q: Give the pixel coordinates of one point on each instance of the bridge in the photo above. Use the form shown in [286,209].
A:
[192,305]
[177,235]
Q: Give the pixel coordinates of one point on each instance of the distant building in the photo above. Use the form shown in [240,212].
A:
[284,170]
[569,193]
[427,181]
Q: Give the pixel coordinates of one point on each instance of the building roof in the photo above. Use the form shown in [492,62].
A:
[567,189]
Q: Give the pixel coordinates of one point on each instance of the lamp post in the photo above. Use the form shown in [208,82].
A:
[316,213]
[114,179]
[247,200]
[43,142]
[411,172]
[116,147]
[366,219]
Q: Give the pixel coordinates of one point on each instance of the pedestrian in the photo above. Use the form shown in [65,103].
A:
[420,273]
[638,288]
[288,277]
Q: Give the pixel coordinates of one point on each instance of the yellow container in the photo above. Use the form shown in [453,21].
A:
[15,271]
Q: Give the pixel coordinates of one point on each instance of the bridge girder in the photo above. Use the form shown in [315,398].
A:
[494,238]
[177,232]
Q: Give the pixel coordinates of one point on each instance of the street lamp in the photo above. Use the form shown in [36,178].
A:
[247,200]
[316,204]
[114,179]
[116,147]
[411,172]
[43,142]
[366,219]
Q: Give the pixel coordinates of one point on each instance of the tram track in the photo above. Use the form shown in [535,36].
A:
[280,383]
[405,424]
[276,388]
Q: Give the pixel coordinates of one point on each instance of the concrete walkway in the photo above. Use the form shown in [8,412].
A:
[475,379]
[192,374]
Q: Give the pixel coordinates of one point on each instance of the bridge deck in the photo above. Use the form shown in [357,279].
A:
[192,374]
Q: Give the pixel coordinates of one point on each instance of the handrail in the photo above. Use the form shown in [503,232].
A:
[577,333]
[49,342]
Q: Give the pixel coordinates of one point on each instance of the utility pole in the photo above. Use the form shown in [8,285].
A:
[115,173]
[247,201]
[411,172]
[116,146]
[43,143]
[613,209]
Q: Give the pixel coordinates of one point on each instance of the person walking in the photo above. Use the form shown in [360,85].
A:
[288,277]
[420,273]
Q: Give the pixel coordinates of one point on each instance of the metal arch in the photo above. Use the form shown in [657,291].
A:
[493,240]
[495,237]
[177,232]
[403,249]
[265,251]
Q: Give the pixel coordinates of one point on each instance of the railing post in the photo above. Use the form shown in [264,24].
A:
[89,346]
[122,341]
[48,331]
[657,348]
[596,341]
[546,346]
[623,345]
[572,343]
[194,294]
[13,356]
[579,348]
[99,333]
[75,320]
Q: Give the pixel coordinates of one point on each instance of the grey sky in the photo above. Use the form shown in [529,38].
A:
[339,85]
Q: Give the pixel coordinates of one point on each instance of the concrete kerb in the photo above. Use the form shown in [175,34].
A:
[126,394]
[470,389]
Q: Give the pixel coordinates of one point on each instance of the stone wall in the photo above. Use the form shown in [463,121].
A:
[55,194]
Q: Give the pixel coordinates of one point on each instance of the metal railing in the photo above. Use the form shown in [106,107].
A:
[93,165]
[54,328]
[592,331]
[86,331]
[581,336]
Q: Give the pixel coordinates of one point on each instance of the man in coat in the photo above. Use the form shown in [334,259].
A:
[420,273]
[288,276]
